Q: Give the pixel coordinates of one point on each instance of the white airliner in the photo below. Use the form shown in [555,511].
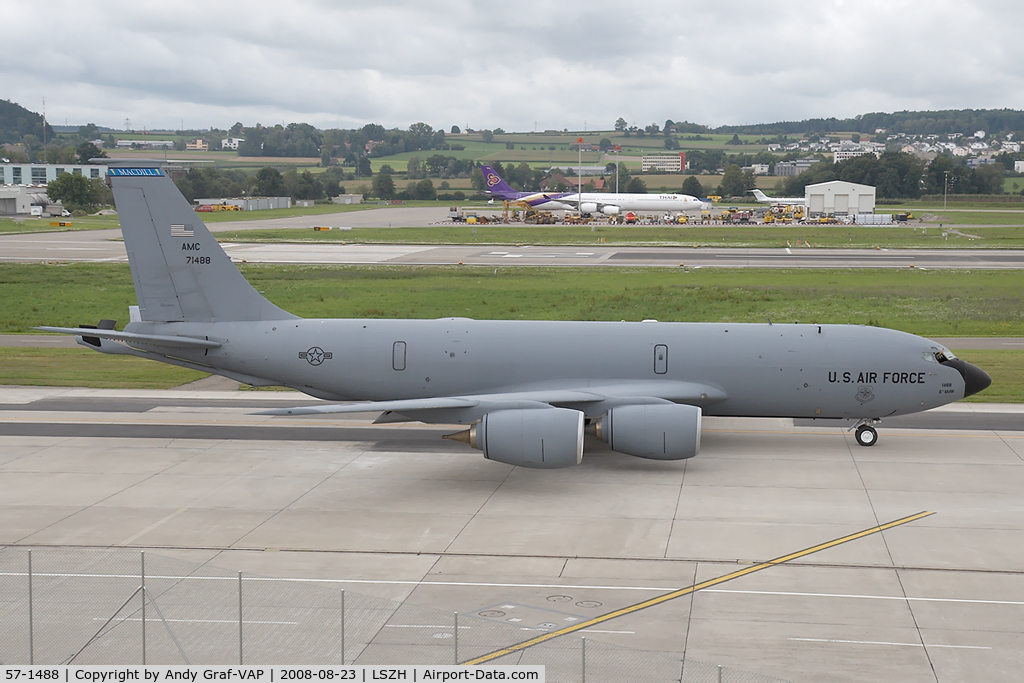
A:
[762,197]
[608,203]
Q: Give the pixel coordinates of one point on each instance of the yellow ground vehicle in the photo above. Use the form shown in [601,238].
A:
[539,217]
[682,219]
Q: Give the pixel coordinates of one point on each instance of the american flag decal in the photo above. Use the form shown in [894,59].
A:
[182,231]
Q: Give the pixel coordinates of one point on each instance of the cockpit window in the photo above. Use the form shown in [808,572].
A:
[929,356]
[944,355]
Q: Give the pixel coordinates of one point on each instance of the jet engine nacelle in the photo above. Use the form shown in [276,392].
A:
[542,438]
[610,210]
[588,207]
[658,432]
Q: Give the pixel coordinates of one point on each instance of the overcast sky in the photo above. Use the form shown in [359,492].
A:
[515,65]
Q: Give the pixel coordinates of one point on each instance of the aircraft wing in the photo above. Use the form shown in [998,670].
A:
[570,199]
[629,392]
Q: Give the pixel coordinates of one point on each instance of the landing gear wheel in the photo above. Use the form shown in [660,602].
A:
[866,435]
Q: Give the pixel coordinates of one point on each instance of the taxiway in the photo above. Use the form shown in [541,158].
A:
[397,512]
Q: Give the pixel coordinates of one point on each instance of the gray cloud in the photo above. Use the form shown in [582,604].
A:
[489,64]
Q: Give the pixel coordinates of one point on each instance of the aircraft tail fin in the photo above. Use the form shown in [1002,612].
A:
[760,196]
[180,272]
[494,183]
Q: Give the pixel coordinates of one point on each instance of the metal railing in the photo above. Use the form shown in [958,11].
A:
[71,606]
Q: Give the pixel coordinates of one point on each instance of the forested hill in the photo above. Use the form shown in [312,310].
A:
[966,121]
[16,121]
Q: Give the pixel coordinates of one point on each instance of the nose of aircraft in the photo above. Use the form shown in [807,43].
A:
[975,379]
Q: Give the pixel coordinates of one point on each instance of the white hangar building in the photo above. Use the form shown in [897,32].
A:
[840,198]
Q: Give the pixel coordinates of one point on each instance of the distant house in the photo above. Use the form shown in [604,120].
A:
[197,145]
[231,143]
[792,168]
[851,153]
[674,163]
[556,182]
[144,144]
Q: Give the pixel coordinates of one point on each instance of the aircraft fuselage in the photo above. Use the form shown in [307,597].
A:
[755,370]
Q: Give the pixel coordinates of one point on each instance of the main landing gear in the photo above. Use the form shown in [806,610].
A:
[866,434]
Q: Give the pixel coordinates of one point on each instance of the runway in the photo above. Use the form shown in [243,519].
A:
[98,246]
[397,512]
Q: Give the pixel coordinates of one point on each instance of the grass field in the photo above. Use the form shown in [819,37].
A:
[1006,369]
[933,304]
[8,225]
[832,236]
[1001,217]
[315,210]
[930,303]
[84,368]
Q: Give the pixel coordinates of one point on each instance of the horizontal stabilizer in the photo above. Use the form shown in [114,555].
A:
[159,339]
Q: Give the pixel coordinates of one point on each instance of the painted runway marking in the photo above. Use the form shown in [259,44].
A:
[418,626]
[697,587]
[478,584]
[882,642]
[203,621]
[870,597]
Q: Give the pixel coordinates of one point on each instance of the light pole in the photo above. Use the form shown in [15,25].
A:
[617,150]
[579,176]
[945,188]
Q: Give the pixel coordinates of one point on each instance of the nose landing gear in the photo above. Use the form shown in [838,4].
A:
[866,434]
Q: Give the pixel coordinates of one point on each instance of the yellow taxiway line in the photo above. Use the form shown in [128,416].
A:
[694,588]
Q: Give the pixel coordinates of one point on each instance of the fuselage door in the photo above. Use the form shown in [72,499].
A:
[398,355]
[660,359]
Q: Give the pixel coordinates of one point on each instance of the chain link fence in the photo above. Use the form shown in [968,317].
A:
[69,606]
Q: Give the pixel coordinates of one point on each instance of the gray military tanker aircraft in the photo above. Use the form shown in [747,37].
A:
[528,391]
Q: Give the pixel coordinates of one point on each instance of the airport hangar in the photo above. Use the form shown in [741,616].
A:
[840,198]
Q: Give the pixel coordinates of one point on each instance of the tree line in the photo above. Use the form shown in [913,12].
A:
[16,122]
[303,140]
[966,121]
[897,175]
